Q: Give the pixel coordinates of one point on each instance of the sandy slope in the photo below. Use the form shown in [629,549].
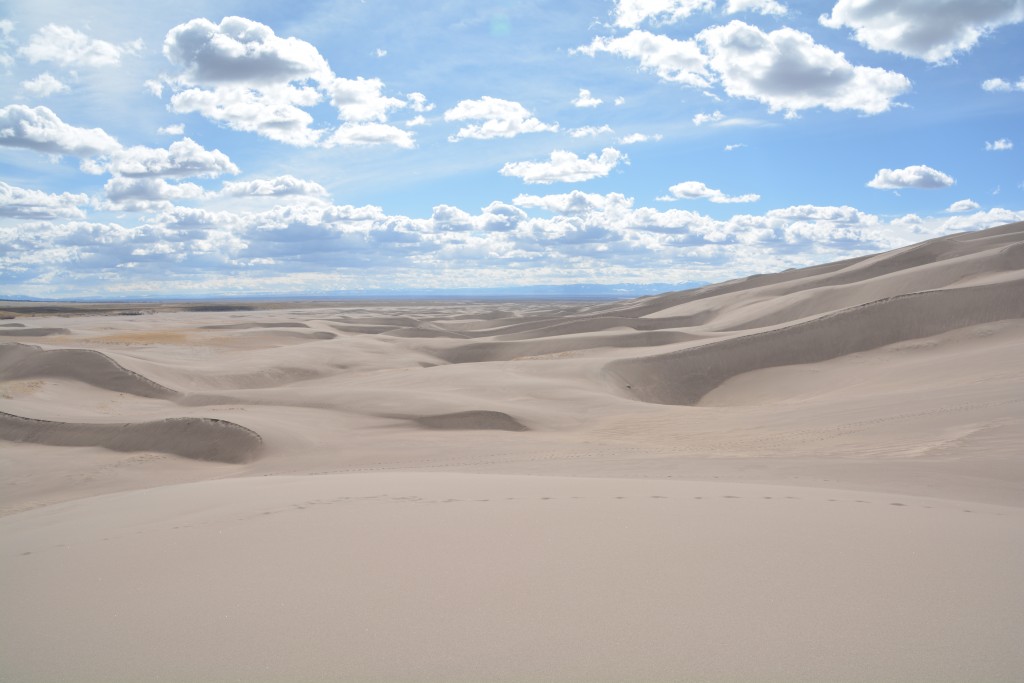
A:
[811,475]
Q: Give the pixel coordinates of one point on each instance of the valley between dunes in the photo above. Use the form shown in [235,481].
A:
[805,476]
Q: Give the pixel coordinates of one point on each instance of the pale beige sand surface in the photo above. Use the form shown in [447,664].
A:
[804,476]
[446,576]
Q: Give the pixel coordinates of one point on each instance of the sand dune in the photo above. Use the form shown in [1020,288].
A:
[801,476]
[197,438]
[472,419]
[34,332]
[683,377]
[18,361]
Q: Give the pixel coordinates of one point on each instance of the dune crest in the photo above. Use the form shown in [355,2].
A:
[189,437]
[22,361]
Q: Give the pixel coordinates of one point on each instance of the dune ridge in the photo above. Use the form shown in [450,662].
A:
[684,377]
[20,361]
[190,437]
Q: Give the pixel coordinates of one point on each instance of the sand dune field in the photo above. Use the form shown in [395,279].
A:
[815,475]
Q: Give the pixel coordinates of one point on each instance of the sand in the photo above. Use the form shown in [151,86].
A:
[804,476]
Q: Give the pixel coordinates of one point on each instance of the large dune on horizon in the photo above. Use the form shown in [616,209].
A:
[809,475]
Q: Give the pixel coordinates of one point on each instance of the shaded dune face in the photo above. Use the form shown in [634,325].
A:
[472,419]
[33,331]
[189,437]
[22,361]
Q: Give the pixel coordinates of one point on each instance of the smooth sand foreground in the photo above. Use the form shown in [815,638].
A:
[814,475]
[447,576]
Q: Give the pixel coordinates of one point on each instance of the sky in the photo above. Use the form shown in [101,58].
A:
[201,148]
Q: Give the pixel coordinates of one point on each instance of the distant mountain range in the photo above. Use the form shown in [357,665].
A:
[567,291]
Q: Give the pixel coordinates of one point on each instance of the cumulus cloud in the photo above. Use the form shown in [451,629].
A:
[360,99]
[239,51]
[275,113]
[585,99]
[758,6]
[565,167]
[634,138]
[38,128]
[44,85]
[67,47]
[1000,145]
[692,189]
[17,202]
[417,101]
[787,70]
[365,134]
[184,158]
[590,131]
[1000,85]
[500,119]
[281,186]
[632,13]
[575,202]
[702,118]
[933,31]
[677,61]
[319,246]
[144,194]
[784,69]
[962,206]
[922,177]
[241,74]
[173,129]
[730,148]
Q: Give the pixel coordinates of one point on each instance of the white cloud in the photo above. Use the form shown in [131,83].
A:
[240,73]
[44,85]
[565,167]
[590,131]
[619,101]
[759,6]
[17,202]
[360,99]
[1000,85]
[585,99]
[145,194]
[417,101]
[677,61]
[702,118]
[184,158]
[380,52]
[38,128]
[730,148]
[693,189]
[281,186]
[933,31]
[922,177]
[962,206]
[631,13]
[575,202]
[417,120]
[364,134]
[239,51]
[274,113]
[634,138]
[787,70]
[173,129]
[501,119]
[67,47]
[1000,145]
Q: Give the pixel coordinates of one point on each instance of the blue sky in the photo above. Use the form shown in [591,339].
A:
[198,148]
